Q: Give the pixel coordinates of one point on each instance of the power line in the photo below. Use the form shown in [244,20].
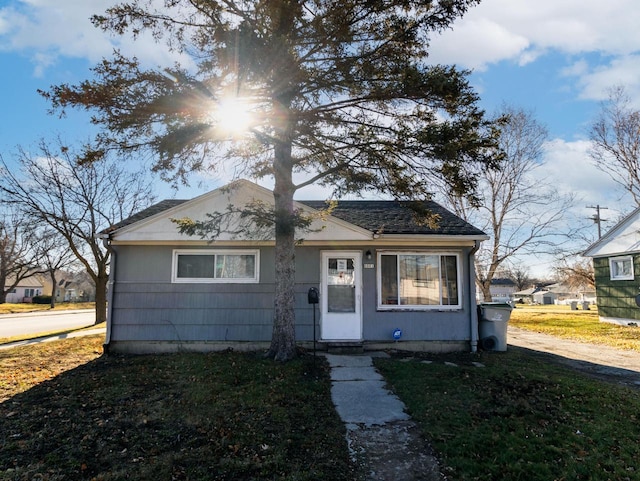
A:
[596,218]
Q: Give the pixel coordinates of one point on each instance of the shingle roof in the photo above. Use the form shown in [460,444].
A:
[399,217]
[148,212]
[378,216]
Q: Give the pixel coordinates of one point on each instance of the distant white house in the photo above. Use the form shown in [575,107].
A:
[25,290]
[534,295]
[502,289]
[555,294]
[70,287]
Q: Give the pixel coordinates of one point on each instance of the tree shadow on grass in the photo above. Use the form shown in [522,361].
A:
[184,416]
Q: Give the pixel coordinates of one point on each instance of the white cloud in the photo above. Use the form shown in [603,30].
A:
[594,82]
[46,30]
[569,167]
[517,29]
[61,26]
[474,43]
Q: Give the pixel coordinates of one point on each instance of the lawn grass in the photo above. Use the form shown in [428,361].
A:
[219,416]
[520,418]
[578,325]
[67,412]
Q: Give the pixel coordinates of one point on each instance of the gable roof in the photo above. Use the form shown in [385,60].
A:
[622,238]
[348,220]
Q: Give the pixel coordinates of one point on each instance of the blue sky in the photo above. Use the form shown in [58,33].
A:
[556,58]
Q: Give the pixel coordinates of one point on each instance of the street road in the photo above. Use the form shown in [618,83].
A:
[37,322]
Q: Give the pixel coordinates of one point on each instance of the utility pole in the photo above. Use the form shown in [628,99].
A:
[596,218]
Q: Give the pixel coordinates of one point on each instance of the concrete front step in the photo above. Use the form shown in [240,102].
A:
[343,347]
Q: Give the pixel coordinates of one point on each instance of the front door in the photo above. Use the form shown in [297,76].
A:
[340,296]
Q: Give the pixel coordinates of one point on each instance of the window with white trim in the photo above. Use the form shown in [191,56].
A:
[621,268]
[224,266]
[418,280]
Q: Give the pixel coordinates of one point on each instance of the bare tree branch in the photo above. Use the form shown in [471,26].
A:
[76,201]
[615,137]
[521,214]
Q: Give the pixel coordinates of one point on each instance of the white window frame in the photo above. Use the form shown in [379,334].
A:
[613,270]
[213,280]
[419,307]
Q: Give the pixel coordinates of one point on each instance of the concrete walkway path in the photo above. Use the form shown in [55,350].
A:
[383,440]
[622,366]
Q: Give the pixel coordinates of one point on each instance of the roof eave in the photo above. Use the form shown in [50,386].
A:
[433,237]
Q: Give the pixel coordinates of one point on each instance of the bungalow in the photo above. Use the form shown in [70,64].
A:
[384,278]
[25,291]
[616,265]
[534,295]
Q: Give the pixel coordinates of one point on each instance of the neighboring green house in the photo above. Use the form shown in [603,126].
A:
[616,262]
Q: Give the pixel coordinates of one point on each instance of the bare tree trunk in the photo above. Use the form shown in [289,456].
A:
[485,288]
[52,275]
[101,297]
[3,282]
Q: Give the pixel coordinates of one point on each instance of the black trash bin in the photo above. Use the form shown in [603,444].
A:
[492,326]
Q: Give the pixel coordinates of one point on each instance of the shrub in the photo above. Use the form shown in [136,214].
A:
[41,299]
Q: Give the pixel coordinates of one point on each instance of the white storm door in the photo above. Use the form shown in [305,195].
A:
[341,295]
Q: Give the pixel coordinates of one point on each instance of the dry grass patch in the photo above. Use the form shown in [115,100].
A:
[580,325]
[27,307]
[25,367]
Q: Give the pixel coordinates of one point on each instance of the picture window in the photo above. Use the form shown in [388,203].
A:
[225,266]
[418,280]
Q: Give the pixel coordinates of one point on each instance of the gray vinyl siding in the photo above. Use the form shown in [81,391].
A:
[147,306]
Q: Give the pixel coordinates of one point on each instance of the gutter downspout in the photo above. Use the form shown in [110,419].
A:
[106,241]
[473,314]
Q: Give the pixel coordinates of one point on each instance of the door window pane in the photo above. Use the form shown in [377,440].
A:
[341,288]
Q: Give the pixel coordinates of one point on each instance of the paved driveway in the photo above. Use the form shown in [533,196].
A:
[601,361]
